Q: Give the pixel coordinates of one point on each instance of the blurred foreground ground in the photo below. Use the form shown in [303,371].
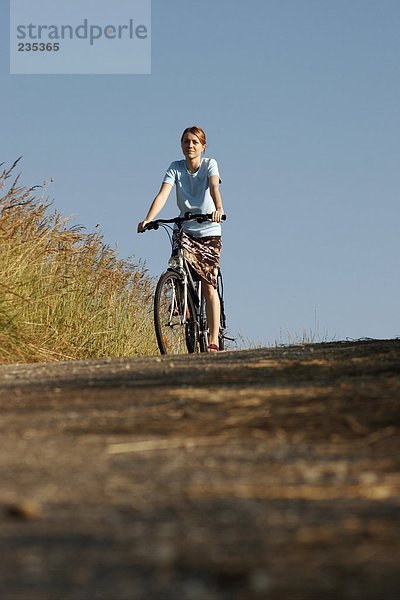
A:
[269,473]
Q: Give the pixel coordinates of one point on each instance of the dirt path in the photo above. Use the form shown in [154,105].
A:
[268,473]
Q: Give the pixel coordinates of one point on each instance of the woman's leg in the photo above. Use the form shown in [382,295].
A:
[213,309]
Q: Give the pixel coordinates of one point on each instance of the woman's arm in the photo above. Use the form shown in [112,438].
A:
[156,206]
[216,196]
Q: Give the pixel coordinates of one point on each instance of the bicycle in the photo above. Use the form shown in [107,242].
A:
[180,318]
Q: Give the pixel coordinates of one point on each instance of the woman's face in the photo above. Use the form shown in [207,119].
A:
[191,146]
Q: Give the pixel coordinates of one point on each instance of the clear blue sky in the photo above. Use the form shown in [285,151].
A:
[300,102]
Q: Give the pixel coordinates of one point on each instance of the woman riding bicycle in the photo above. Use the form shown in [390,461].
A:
[197,190]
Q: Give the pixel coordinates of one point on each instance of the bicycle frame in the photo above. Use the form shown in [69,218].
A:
[180,265]
[190,284]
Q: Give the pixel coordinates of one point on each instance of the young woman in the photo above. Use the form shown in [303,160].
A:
[197,190]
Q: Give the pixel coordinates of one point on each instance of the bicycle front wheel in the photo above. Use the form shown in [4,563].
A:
[176,328]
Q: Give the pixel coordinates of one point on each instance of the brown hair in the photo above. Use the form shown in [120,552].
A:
[197,131]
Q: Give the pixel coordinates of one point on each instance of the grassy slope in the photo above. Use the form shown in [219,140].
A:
[64,294]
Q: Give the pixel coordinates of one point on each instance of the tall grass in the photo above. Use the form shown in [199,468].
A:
[64,294]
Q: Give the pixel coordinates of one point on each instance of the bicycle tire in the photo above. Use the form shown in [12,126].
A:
[221,340]
[203,325]
[175,334]
[222,323]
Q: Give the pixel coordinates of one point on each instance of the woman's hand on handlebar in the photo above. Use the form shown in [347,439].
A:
[141,228]
[217,216]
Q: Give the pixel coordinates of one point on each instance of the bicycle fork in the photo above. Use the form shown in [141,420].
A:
[179,303]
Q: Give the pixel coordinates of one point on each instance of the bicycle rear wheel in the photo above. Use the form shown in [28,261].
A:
[176,332]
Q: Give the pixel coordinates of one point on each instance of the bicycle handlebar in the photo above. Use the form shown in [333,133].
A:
[200,218]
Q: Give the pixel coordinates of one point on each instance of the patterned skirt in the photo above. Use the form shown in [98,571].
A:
[202,253]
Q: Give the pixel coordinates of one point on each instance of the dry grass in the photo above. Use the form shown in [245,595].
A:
[64,294]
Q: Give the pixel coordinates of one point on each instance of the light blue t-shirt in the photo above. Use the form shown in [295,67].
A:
[193,194]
